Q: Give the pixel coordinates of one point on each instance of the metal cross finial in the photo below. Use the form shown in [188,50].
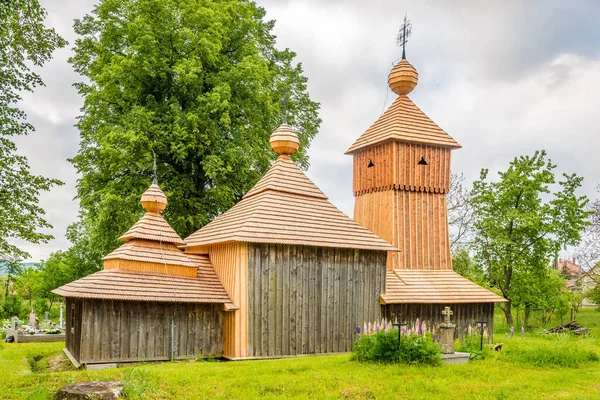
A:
[447,312]
[284,101]
[155,180]
[404,34]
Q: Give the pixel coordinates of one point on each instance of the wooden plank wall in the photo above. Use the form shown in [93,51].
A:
[415,222]
[309,300]
[396,166]
[125,331]
[464,315]
[230,261]
[73,324]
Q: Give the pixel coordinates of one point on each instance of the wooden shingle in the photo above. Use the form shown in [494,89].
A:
[286,207]
[404,121]
[439,287]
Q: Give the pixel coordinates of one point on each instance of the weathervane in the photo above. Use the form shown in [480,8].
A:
[403,35]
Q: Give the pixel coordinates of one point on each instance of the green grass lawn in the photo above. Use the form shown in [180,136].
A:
[525,369]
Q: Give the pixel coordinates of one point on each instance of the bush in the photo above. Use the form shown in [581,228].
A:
[384,347]
[12,307]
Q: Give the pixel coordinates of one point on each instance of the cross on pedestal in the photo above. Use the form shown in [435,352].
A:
[447,313]
[481,324]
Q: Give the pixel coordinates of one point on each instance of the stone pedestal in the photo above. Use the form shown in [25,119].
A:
[446,332]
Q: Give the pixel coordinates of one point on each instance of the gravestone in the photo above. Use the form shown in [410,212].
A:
[31,321]
[446,332]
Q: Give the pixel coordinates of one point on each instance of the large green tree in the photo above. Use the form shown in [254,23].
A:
[520,224]
[199,84]
[24,43]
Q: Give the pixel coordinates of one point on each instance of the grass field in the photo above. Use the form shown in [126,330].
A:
[537,367]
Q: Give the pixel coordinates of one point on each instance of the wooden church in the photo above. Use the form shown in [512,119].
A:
[401,177]
[283,272]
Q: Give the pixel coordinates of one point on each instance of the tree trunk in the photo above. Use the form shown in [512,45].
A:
[508,313]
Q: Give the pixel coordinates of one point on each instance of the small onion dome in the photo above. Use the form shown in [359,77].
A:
[284,140]
[153,199]
[403,78]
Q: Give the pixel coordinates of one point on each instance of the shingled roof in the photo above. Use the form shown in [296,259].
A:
[439,287]
[150,267]
[286,207]
[114,284]
[403,120]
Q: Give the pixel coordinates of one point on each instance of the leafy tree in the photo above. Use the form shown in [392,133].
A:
[198,84]
[29,284]
[12,269]
[24,40]
[520,224]
[463,263]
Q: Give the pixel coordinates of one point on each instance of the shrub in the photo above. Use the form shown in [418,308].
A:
[384,347]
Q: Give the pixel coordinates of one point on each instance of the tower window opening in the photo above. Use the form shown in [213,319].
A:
[422,161]
[370,164]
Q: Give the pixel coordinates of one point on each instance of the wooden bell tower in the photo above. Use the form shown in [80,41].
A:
[401,178]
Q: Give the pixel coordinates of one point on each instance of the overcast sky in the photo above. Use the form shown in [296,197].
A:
[503,78]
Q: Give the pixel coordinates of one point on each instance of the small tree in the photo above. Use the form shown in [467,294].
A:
[520,224]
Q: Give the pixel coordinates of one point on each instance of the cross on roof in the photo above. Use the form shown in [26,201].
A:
[447,312]
[403,34]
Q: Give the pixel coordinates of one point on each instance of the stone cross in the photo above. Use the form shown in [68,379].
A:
[447,312]
[14,323]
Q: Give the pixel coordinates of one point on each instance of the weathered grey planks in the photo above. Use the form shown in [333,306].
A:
[121,331]
[309,300]
[464,315]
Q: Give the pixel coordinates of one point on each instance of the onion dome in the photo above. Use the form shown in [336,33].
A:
[284,140]
[403,78]
[154,200]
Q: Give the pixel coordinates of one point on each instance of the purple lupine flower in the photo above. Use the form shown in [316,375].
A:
[434,338]
[365,331]
[470,330]
[358,330]
[522,332]
[417,327]
[370,328]
[383,324]
[423,328]
[376,326]
[512,332]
